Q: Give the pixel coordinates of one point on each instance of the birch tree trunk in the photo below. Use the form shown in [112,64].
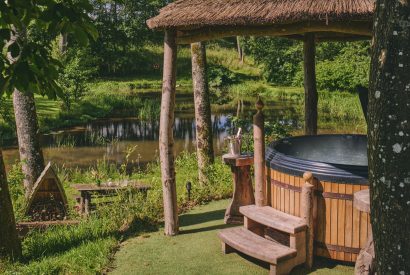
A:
[166,139]
[389,137]
[10,246]
[311,96]
[31,154]
[204,143]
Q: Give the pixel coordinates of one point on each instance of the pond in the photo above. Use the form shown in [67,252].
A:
[112,139]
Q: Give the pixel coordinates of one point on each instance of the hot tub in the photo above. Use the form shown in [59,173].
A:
[339,164]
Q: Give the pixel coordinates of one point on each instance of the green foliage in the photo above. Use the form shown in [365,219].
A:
[79,68]
[15,179]
[123,31]
[347,70]
[219,76]
[340,66]
[280,58]
[30,66]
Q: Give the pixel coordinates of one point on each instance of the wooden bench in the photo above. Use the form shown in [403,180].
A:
[87,191]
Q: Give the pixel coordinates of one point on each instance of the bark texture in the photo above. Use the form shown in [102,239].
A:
[389,137]
[166,139]
[259,154]
[10,246]
[311,96]
[203,121]
[31,154]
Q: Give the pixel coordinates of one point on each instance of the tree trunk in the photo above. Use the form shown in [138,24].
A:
[166,139]
[63,43]
[31,155]
[10,246]
[311,96]
[389,137]
[204,143]
[240,49]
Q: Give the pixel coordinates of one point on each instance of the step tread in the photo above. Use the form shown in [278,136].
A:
[256,246]
[273,218]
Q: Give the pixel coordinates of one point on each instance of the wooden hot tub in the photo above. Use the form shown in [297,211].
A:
[339,163]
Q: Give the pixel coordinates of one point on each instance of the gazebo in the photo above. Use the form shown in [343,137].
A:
[311,21]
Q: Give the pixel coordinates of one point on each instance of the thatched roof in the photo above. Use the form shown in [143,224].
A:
[188,15]
[191,14]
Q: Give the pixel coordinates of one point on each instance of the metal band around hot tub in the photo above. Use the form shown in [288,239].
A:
[326,195]
[338,248]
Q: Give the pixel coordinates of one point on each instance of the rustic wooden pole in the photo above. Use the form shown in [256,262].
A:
[204,145]
[259,154]
[307,215]
[166,139]
[311,96]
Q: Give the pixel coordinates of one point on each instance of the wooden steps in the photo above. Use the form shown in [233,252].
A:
[273,218]
[255,238]
[255,246]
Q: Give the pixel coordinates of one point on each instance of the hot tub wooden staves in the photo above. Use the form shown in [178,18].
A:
[340,229]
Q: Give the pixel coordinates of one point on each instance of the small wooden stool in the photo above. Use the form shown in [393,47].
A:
[243,191]
[365,260]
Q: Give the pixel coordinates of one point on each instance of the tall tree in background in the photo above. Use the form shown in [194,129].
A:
[10,246]
[389,137]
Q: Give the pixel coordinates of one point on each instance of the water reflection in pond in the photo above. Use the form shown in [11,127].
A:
[110,139]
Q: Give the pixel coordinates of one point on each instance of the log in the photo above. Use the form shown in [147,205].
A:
[307,215]
[259,154]
[311,96]
[166,139]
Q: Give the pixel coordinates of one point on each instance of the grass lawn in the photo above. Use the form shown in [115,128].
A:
[197,250]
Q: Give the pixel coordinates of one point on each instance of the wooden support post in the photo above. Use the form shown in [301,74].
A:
[204,144]
[311,96]
[166,139]
[259,154]
[307,215]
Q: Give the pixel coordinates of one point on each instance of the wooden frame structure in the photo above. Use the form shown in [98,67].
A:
[48,188]
[183,24]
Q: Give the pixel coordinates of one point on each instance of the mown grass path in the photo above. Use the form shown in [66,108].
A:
[196,250]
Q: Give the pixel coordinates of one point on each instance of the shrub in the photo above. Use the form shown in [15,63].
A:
[219,76]
[348,70]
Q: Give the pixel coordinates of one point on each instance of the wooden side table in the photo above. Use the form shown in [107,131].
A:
[365,260]
[243,191]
